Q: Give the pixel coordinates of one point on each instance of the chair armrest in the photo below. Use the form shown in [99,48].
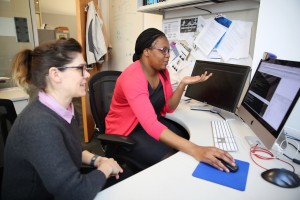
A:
[116,139]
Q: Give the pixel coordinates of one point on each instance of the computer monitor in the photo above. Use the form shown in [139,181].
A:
[271,96]
[223,89]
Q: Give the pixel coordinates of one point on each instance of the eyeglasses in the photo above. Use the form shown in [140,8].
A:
[163,50]
[82,67]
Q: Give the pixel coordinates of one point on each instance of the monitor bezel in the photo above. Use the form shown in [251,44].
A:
[203,63]
[259,126]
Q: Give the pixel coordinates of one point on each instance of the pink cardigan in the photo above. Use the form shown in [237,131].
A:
[131,104]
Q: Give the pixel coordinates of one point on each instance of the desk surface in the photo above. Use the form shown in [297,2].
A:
[13,93]
[172,178]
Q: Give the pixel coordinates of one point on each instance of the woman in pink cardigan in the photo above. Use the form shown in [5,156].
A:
[142,97]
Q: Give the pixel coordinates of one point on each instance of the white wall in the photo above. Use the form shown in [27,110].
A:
[122,24]
[153,21]
[125,24]
[278,31]
[56,20]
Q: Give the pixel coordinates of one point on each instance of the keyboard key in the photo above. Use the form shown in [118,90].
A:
[223,137]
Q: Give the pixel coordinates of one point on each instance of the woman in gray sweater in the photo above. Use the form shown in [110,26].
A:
[43,153]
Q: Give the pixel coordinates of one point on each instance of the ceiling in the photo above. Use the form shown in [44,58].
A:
[62,7]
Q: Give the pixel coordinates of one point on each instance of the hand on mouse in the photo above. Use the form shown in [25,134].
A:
[228,165]
[209,155]
[232,168]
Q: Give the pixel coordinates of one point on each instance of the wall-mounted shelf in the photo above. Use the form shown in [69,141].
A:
[161,6]
[197,7]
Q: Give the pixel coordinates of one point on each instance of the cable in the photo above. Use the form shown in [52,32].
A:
[256,149]
[293,138]
[203,9]
[297,148]
[287,156]
[297,151]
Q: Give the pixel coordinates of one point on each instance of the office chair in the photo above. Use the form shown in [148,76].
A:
[101,87]
[7,117]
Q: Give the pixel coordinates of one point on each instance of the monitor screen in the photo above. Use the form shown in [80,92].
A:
[271,96]
[223,89]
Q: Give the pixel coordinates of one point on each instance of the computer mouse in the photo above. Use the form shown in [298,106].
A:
[230,167]
[281,177]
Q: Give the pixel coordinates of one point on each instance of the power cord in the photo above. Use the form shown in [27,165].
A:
[257,151]
[297,151]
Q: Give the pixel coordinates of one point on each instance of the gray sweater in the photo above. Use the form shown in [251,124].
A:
[43,157]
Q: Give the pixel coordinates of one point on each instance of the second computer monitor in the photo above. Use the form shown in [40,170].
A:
[223,90]
[271,97]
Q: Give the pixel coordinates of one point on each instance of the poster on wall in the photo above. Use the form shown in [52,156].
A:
[21,29]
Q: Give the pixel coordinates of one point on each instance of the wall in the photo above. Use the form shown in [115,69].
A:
[153,21]
[278,32]
[8,41]
[56,20]
[125,25]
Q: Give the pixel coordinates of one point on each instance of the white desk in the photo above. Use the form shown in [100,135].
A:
[172,178]
[18,96]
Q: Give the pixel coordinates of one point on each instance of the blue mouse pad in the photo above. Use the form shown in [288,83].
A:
[236,180]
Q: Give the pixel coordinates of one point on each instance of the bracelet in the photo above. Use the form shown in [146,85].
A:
[92,163]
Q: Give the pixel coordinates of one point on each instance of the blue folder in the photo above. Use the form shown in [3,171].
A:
[236,180]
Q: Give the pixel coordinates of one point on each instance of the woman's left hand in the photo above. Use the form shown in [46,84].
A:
[99,160]
[196,79]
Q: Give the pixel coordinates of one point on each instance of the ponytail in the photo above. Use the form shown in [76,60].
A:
[21,68]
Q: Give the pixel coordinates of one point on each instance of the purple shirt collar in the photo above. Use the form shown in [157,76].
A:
[51,103]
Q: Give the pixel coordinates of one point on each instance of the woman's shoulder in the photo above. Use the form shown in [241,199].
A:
[134,67]
[36,113]
[133,72]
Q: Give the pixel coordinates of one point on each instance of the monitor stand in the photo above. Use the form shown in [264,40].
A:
[281,142]
[253,140]
[202,106]
[224,114]
[278,146]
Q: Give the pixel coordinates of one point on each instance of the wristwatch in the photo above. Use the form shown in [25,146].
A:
[92,163]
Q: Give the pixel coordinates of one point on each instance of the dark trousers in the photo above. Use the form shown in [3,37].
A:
[149,151]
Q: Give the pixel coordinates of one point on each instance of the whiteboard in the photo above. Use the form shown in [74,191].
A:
[125,26]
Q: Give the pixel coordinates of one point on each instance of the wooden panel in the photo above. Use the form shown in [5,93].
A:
[88,122]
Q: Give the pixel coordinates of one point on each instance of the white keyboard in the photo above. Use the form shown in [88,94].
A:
[223,137]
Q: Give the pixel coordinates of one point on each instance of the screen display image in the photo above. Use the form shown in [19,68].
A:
[223,89]
[262,90]
[271,96]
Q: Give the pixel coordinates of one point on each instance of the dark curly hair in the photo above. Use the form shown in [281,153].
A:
[145,40]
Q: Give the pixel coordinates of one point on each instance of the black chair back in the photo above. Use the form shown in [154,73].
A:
[101,88]
[7,117]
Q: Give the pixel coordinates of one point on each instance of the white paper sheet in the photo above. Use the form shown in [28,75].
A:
[171,29]
[235,43]
[209,36]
